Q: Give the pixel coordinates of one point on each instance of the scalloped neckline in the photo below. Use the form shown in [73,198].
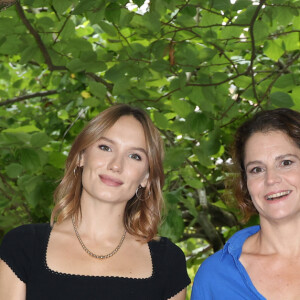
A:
[93,276]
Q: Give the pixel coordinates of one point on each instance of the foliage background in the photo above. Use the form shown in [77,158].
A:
[199,68]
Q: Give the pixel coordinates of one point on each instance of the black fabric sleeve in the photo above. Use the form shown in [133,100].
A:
[16,250]
[176,273]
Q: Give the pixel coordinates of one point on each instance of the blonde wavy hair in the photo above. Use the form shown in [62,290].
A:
[143,212]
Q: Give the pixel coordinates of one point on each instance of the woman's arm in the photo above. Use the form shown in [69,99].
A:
[11,287]
[180,296]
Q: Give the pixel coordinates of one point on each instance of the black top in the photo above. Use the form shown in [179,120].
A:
[24,250]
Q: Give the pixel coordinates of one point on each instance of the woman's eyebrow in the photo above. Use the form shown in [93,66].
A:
[140,149]
[254,162]
[106,139]
[280,157]
[133,148]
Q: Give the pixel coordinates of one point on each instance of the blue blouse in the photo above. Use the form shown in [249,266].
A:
[222,276]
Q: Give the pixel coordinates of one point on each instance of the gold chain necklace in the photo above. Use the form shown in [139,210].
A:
[93,254]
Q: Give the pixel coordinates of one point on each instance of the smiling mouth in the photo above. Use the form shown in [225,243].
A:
[278,195]
[110,181]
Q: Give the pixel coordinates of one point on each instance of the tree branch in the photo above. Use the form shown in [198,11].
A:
[21,98]
[253,52]
[38,39]
[109,86]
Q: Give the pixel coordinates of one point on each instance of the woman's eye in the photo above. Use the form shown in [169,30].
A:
[286,162]
[256,170]
[135,156]
[104,148]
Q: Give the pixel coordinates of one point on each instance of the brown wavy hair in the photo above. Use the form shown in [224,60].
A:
[280,119]
[143,213]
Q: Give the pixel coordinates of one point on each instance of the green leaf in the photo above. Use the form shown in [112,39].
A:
[182,107]
[88,56]
[261,31]
[296,97]
[113,12]
[121,86]
[241,4]
[211,144]
[286,81]
[284,15]
[28,183]
[61,6]
[115,73]
[76,65]
[44,23]
[220,4]
[57,159]
[83,6]
[189,203]
[173,224]
[160,65]
[14,170]
[273,49]
[108,28]
[27,128]
[245,16]
[291,41]
[30,159]
[208,18]
[39,139]
[28,54]
[281,99]
[149,20]
[13,138]
[92,102]
[63,114]
[84,31]
[160,120]
[198,123]
[175,157]
[242,81]
[138,2]
[97,89]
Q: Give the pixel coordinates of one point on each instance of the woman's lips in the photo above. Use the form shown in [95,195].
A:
[277,195]
[110,180]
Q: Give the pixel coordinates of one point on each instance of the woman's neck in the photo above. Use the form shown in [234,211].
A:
[101,220]
[281,237]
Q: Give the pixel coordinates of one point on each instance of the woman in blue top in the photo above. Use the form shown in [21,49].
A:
[102,241]
[261,262]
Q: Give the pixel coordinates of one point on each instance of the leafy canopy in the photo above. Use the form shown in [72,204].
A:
[199,68]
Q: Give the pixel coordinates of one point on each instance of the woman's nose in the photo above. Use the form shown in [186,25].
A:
[272,176]
[115,164]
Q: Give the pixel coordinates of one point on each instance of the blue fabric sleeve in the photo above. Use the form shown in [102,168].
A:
[202,286]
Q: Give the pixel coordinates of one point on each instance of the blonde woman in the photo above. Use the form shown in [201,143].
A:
[102,240]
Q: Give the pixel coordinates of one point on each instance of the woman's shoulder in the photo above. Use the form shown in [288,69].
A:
[167,253]
[166,245]
[25,233]
[29,229]
[222,261]
[22,245]
[171,265]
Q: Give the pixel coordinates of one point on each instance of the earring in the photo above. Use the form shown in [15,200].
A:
[137,191]
[138,196]
[75,170]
